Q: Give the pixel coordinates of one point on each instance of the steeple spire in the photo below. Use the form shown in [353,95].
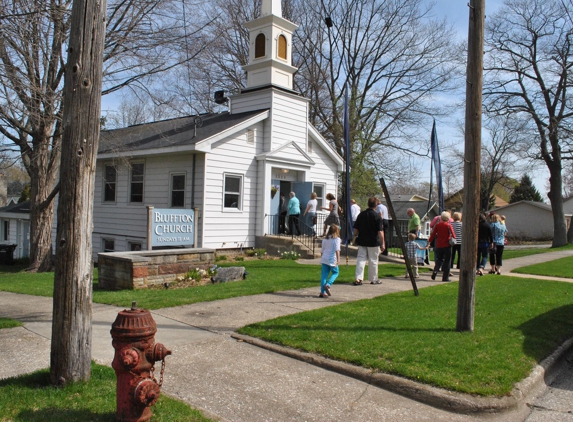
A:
[271,7]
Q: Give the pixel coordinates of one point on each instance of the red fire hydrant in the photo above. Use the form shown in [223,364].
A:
[136,352]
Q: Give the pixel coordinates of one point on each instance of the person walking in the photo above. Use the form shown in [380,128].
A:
[354,210]
[498,233]
[457,248]
[310,213]
[412,251]
[369,233]
[329,259]
[383,211]
[414,222]
[442,232]
[484,241]
[293,214]
[333,217]
[283,210]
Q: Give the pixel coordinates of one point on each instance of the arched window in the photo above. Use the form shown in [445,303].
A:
[282,51]
[260,46]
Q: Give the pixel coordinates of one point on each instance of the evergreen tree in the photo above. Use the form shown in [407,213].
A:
[25,194]
[525,191]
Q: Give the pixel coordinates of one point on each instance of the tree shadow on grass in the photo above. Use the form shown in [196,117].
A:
[53,414]
[20,389]
[546,332]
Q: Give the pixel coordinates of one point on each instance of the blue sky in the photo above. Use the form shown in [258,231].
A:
[457,13]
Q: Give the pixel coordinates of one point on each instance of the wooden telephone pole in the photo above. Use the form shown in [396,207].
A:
[70,357]
[466,293]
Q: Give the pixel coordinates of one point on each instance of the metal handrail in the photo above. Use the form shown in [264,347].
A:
[277,225]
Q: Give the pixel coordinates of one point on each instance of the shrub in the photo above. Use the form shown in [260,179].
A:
[290,255]
[197,274]
[220,258]
[239,258]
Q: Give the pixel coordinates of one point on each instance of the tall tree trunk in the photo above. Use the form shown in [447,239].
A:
[556,199]
[71,327]
[43,177]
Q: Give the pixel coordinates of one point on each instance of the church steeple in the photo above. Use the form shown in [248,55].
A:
[271,7]
[270,48]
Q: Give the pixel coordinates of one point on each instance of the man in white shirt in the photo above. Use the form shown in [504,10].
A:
[354,210]
[383,211]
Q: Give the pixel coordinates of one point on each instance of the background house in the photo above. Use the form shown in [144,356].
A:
[15,228]
[528,220]
[426,211]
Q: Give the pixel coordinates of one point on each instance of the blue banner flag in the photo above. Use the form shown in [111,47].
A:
[437,166]
[347,213]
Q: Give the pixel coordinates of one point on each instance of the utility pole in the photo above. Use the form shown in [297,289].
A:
[472,161]
[70,358]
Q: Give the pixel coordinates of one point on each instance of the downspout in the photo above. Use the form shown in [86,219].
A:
[193,182]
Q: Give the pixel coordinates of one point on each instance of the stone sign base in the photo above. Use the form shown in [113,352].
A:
[141,269]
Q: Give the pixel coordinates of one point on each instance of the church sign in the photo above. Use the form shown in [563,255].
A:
[171,227]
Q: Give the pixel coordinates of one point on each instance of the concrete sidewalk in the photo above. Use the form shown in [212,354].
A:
[236,381]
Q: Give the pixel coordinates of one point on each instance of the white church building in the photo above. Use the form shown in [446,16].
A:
[229,167]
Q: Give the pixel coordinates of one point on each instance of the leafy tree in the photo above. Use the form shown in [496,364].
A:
[525,191]
[143,38]
[529,65]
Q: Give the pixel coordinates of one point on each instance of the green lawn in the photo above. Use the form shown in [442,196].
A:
[509,253]
[518,322]
[9,323]
[265,276]
[559,268]
[31,398]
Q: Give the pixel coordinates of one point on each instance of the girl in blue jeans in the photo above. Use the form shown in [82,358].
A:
[330,259]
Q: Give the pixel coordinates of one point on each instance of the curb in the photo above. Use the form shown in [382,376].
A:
[541,375]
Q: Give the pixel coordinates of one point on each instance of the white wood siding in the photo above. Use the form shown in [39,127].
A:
[324,171]
[290,120]
[126,222]
[231,228]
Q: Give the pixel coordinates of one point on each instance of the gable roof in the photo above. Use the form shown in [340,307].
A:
[173,135]
[401,208]
[541,205]
[289,152]
[16,210]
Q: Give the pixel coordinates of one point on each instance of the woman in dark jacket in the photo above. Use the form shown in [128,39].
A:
[484,241]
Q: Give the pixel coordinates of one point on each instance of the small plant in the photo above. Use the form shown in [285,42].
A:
[221,258]
[239,258]
[197,274]
[251,252]
[261,252]
[290,255]
[213,270]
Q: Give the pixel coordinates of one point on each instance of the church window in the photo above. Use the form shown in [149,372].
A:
[260,42]
[282,51]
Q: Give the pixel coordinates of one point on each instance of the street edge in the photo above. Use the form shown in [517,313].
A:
[541,375]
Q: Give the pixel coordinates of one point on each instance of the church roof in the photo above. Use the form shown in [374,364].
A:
[183,131]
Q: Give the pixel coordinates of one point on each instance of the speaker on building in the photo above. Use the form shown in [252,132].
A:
[220,97]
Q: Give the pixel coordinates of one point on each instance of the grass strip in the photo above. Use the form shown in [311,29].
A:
[9,323]
[559,268]
[32,398]
[265,276]
[518,322]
